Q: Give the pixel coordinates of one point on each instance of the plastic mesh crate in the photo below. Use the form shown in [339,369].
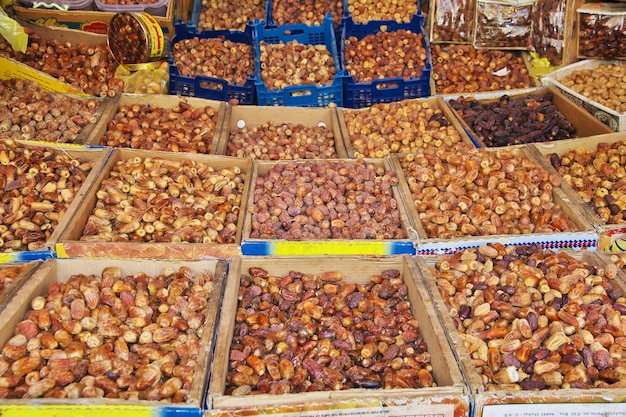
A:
[308,95]
[384,90]
[210,87]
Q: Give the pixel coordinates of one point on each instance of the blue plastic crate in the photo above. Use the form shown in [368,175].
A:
[308,95]
[271,23]
[210,87]
[384,90]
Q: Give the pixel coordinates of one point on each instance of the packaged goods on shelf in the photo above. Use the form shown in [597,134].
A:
[310,77]
[103,347]
[59,5]
[596,86]
[436,389]
[373,74]
[461,197]
[503,24]
[602,31]
[155,8]
[452,21]
[307,211]
[541,115]
[554,30]
[550,350]
[221,68]
[399,127]
[270,133]
[92,21]
[43,186]
[160,123]
[176,206]
[591,169]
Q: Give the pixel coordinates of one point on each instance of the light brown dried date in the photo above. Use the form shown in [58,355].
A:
[271,141]
[310,12]
[532,318]
[182,128]
[29,113]
[306,332]
[463,191]
[363,11]
[325,200]
[597,176]
[116,336]
[90,68]
[395,54]
[214,57]
[229,14]
[602,84]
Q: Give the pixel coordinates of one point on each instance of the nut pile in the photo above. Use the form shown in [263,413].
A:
[8,274]
[515,120]
[453,21]
[308,332]
[134,337]
[159,200]
[293,63]
[29,113]
[398,127]
[463,68]
[363,11]
[229,14]
[462,191]
[271,141]
[214,57]
[602,36]
[90,68]
[533,319]
[598,177]
[395,54]
[182,128]
[603,84]
[311,12]
[37,188]
[326,200]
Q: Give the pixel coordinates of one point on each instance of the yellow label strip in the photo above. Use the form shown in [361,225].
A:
[96,410]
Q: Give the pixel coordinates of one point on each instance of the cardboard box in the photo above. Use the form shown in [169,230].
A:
[12,277]
[59,271]
[253,116]
[614,119]
[284,247]
[586,237]
[97,157]
[161,101]
[88,21]
[433,102]
[608,233]
[585,124]
[524,403]
[447,399]
[71,246]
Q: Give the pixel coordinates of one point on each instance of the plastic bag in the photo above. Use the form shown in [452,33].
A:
[13,32]
[150,80]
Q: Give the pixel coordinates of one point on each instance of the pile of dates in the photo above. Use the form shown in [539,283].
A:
[305,332]
[515,120]
[534,319]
